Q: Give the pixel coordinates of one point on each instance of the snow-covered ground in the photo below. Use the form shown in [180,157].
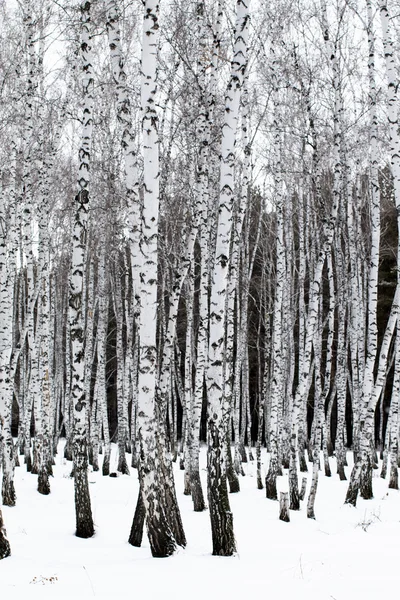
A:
[345,554]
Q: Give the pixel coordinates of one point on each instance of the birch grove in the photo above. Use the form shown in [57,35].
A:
[199,252]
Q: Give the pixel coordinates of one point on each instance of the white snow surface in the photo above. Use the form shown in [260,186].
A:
[347,553]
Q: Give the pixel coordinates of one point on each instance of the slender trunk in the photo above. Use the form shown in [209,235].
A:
[160,527]
[84,519]
[220,514]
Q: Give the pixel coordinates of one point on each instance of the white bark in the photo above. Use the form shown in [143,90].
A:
[221,517]
[128,142]
[84,520]
[159,526]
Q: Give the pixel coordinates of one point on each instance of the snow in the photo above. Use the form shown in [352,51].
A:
[347,553]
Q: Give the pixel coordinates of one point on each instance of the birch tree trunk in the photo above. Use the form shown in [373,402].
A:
[7,281]
[162,536]
[123,425]
[394,413]
[220,514]
[277,374]
[5,549]
[101,386]
[393,119]
[84,519]
[361,477]
[124,116]
[203,132]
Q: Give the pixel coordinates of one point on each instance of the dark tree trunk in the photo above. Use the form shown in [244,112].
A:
[258,458]
[122,463]
[366,479]
[302,461]
[327,466]
[136,534]
[303,488]
[5,549]
[43,482]
[106,463]
[394,478]
[83,510]
[284,514]
[384,464]
[233,479]
[270,481]
[197,492]
[293,481]
[171,502]
[8,491]
[340,472]
[354,485]
[221,517]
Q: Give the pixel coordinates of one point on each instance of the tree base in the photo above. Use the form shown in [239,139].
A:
[303,462]
[197,492]
[341,473]
[136,534]
[303,488]
[352,494]
[106,465]
[8,492]
[83,509]
[327,468]
[366,482]
[67,452]
[28,462]
[5,549]
[394,478]
[43,482]
[123,465]
[187,490]
[271,491]
[284,514]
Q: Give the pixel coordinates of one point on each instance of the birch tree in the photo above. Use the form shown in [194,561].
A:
[361,477]
[221,517]
[160,530]
[84,519]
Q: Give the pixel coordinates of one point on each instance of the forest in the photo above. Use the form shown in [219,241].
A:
[199,214]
